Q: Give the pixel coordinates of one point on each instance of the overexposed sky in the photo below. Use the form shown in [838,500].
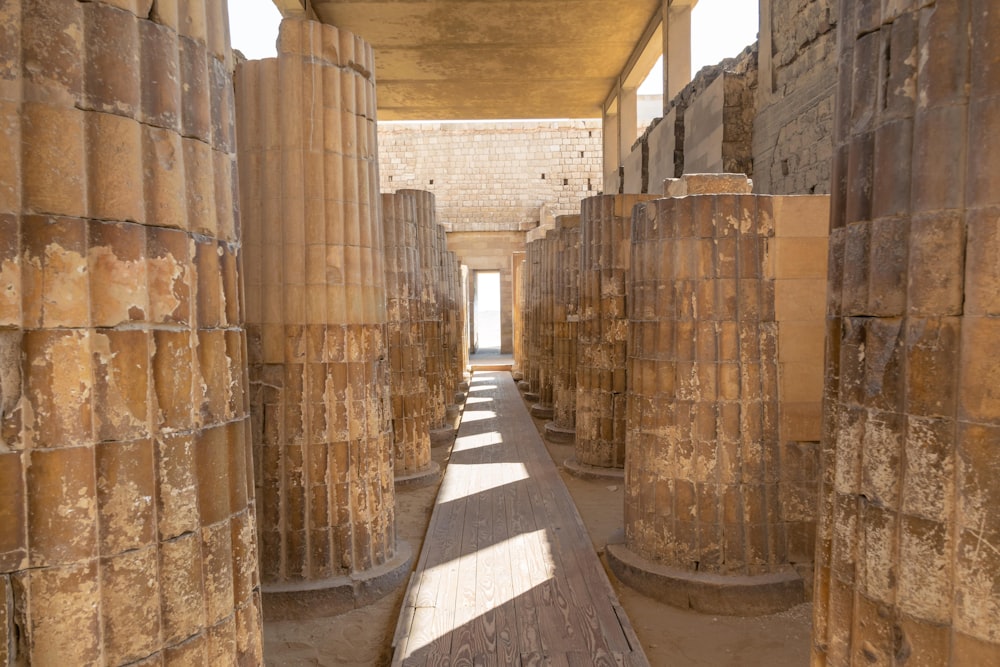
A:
[719,29]
[253,25]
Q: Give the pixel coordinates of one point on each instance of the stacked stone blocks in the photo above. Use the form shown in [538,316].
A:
[127,529]
[315,290]
[724,399]
[906,566]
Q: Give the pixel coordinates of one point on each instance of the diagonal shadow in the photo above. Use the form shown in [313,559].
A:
[507,574]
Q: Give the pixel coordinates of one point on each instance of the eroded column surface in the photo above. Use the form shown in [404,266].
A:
[545,325]
[605,237]
[315,291]
[451,331]
[724,397]
[532,320]
[126,520]
[907,557]
[408,386]
[565,305]
[432,321]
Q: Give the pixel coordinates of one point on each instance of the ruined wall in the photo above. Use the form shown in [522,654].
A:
[708,128]
[793,129]
[126,500]
[490,176]
[718,121]
[316,316]
[907,562]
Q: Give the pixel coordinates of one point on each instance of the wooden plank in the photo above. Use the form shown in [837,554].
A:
[514,574]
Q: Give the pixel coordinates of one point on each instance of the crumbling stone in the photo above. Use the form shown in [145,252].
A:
[411,426]
[906,556]
[602,343]
[723,399]
[565,316]
[127,522]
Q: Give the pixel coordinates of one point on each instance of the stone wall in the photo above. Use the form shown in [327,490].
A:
[792,143]
[490,176]
[707,128]
[907,558]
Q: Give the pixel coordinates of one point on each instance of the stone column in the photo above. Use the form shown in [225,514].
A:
[907,556]
[408,386]
[724,399]
[450,333]
[605,238]
[543,408]
[519,264]
[431,316]
[126,499]
[532,316]
[566,299]
[317,323]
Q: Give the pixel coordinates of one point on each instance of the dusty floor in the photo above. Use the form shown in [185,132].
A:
[669,636]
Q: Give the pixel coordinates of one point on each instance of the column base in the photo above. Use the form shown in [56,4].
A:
[442,436]
[541,411]
[558,434]
[531,397]
[329,597]
[425,477]
[459,397]
[587,471]
[730,595]
[517,375]
[523,386]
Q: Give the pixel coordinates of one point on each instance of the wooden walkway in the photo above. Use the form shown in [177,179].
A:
[508,574]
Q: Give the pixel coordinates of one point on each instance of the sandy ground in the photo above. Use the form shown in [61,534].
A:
[670,636]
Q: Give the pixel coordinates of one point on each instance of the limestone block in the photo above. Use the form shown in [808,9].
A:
[906,425]
[112,71]
[704,184]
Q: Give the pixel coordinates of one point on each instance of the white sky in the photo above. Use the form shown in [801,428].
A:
[719,29]
[253,25]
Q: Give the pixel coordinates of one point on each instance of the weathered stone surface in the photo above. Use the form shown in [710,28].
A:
[406,347]
[316,308]
[603,331]
[909,430]
[721,469]
[793,127]
[121,346]
[565,318]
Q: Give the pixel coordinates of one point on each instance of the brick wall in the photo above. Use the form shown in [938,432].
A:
[792,133]
[494,176]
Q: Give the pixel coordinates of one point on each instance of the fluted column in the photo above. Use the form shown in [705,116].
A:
[542,409]
[724,386]
[532,320]
[565,315]
[126,500]
[317,321]
[602,343]
[907,556]
[408,387]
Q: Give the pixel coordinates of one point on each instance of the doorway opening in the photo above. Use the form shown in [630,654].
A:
[486,313]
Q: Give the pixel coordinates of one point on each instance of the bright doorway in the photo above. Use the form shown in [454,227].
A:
[486,312]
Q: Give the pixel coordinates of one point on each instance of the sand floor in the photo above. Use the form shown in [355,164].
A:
[670,636]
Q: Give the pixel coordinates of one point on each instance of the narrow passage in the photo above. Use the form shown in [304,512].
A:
[507,574]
